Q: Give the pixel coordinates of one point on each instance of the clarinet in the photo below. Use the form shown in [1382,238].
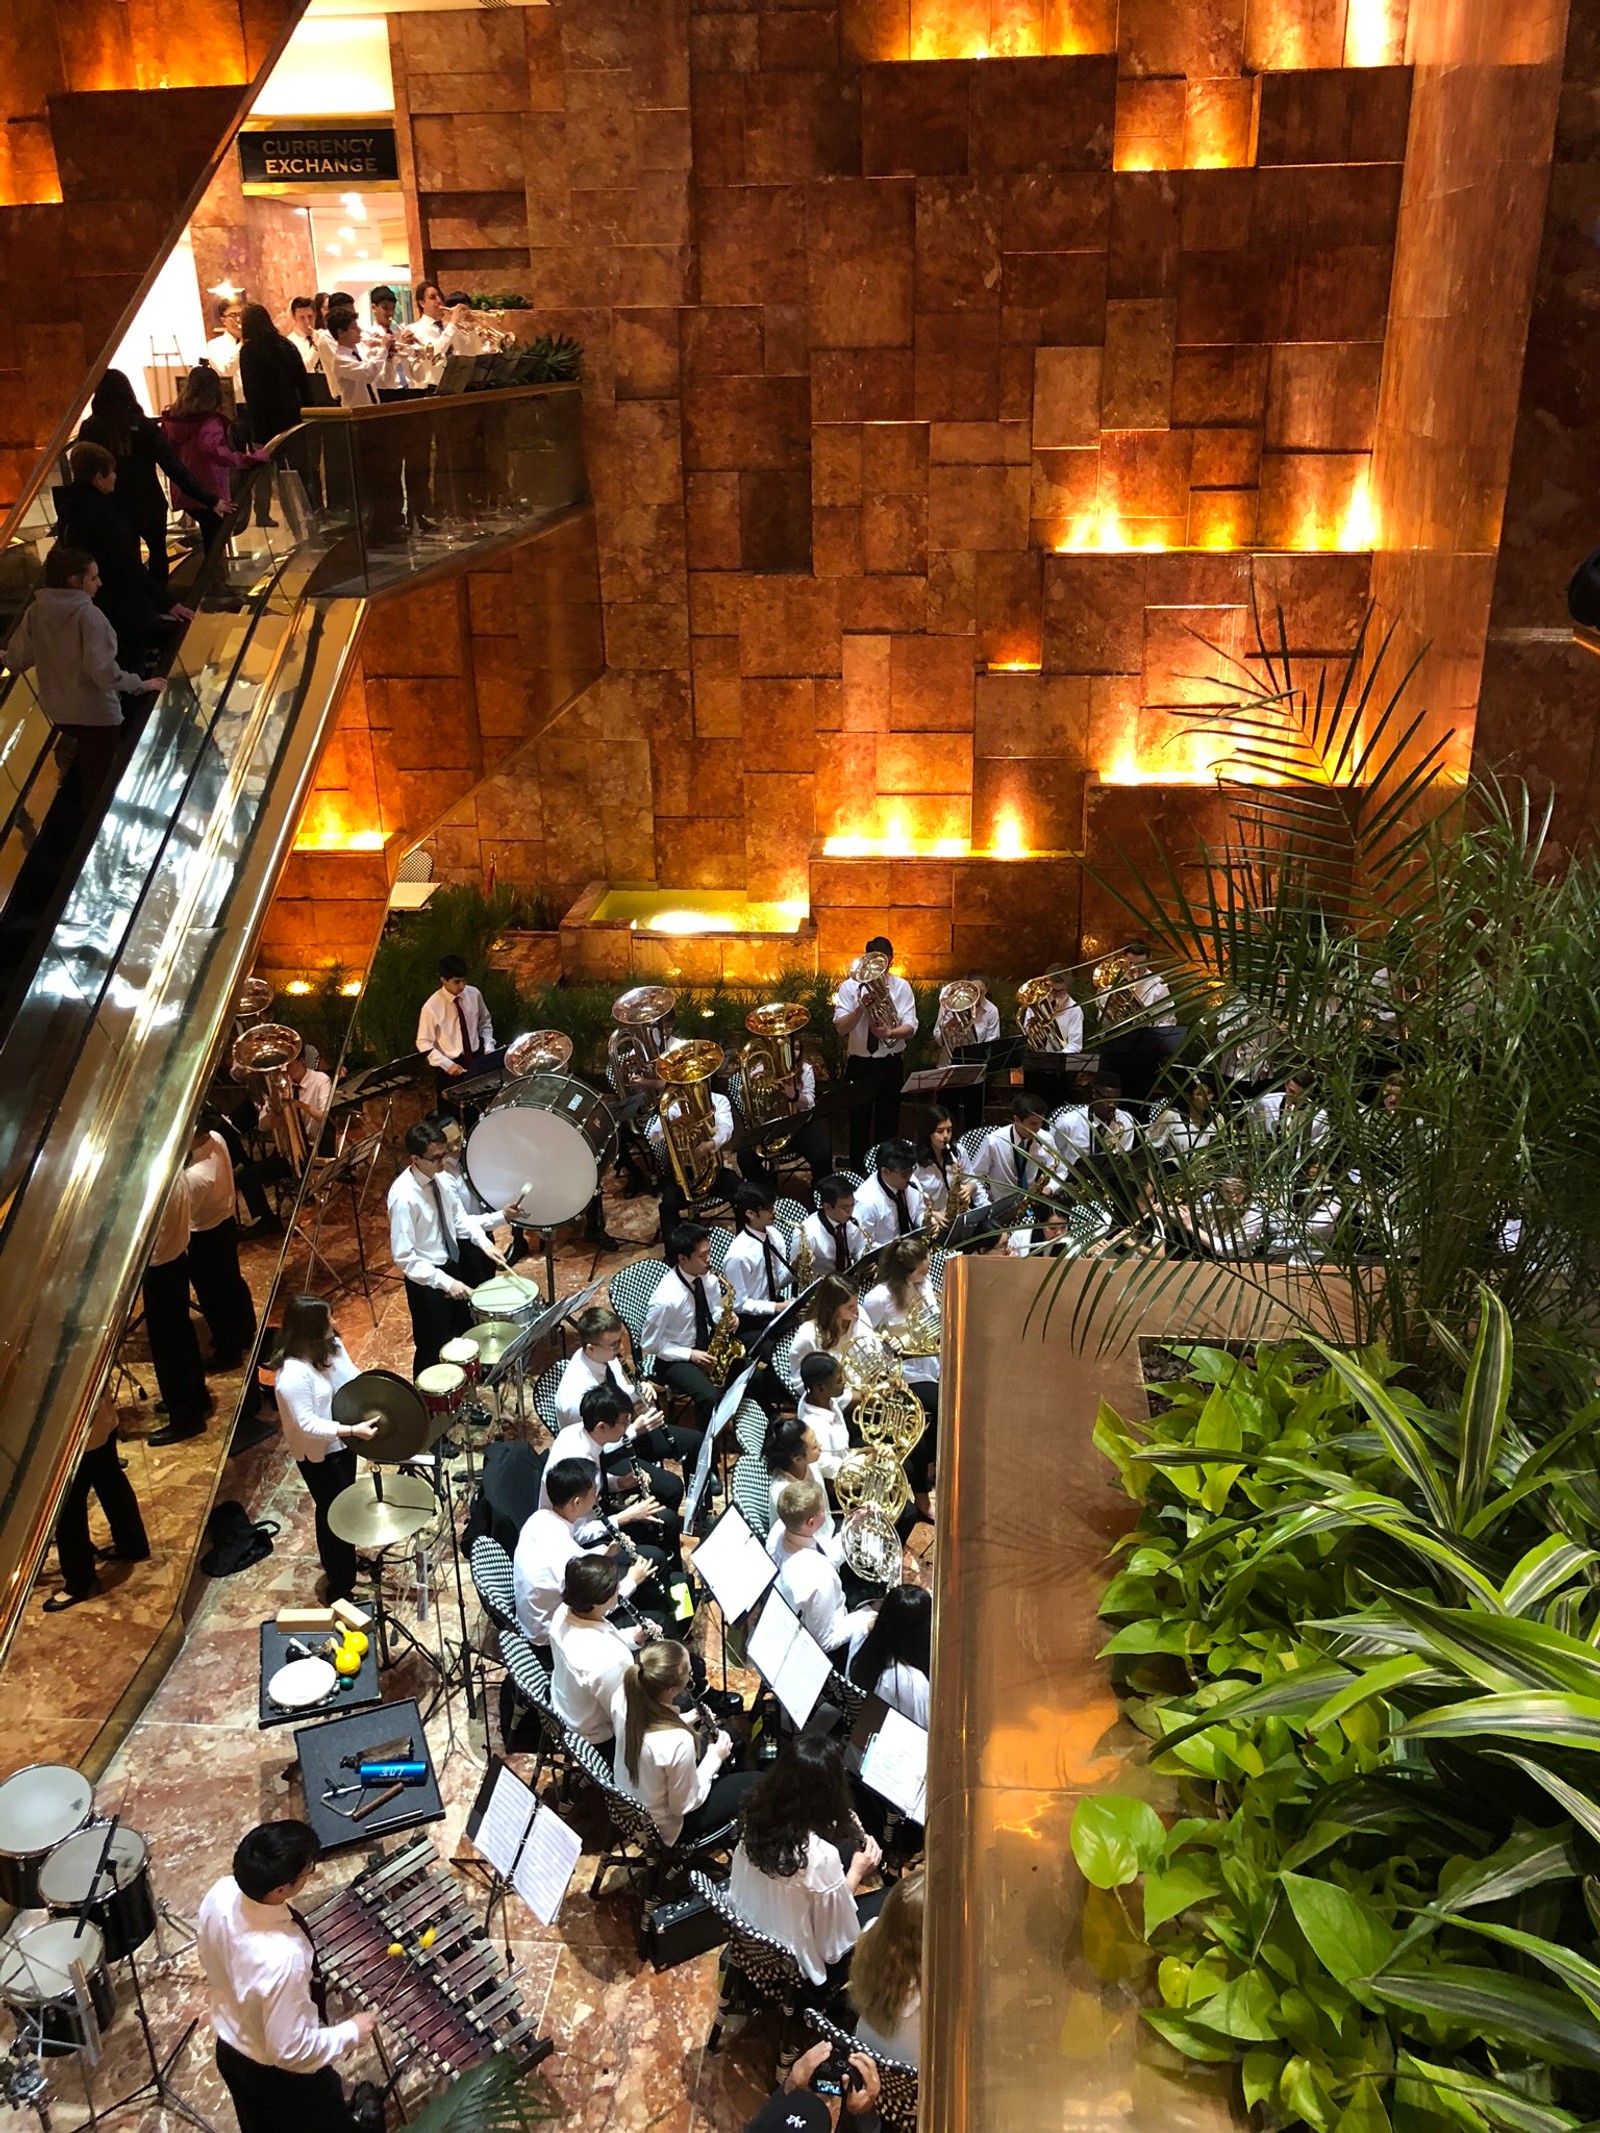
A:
[590,1534]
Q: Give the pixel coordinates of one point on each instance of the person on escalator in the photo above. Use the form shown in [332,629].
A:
[136,442]
[127,596]
[197,430]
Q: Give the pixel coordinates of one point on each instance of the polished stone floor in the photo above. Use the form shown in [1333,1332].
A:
[195,1771]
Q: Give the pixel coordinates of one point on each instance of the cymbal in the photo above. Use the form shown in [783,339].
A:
[405,1426]
[492,1340]
[365,1519]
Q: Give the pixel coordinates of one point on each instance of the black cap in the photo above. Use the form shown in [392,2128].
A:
[792,2111]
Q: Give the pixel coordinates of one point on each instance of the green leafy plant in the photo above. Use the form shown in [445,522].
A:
[553,359]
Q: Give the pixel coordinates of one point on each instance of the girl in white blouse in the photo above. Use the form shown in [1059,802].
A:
[886,1976]
[939,1168]
[310,1367]
[789,1879]
[686,1798]
[894,1658]
[888,1308]
[832,1323]
[790,1452]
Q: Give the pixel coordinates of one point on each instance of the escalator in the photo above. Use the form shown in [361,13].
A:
[114,1023]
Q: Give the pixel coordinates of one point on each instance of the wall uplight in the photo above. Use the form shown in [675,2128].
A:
[894,846]
[690,921]
[338,840]
[1374,33]
[1359,532]
[350,989]
[1008,842]
[1012,666]
[1104,531]
[299,987]
[227,290]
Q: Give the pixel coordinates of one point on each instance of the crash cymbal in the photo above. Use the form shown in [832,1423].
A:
[404,1424]
[492,1341]
[365,1519]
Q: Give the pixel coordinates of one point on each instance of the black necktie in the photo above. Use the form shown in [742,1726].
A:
[316,1984]
[902,1210]
[702,1312]
[774,1279]
[841,1250]
[1020,1153]
[452,1251]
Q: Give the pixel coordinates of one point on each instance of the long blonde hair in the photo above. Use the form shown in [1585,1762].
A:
[903,1267]
[828,1305]
[886,1968]
[648,1687]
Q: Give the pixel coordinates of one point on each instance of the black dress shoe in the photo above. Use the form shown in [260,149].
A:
[176,1433]
[61,1601]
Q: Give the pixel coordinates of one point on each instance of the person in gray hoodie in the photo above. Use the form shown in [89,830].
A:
[72,649]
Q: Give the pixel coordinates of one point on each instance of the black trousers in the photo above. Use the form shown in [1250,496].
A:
[222,1292]
[325,1478]
[689,1378]
[435,1319]
[666,1532]
[266,2099]
[923,1456]
[875,1085]
[675,1206]
[173,1347]
[101,1472]
[720,1805]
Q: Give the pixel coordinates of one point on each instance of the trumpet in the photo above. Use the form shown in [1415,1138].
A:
[871,973]
[958,1010]
[1036,1014]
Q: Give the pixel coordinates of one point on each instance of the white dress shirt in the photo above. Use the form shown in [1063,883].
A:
[416,1234]
[1149,994]
[823,1259]
[1007,1164]
[257,1963]
[828,1536]
[985,1029]
[850,1018]
[810,1584]
[1229,1232]
[210,1176]
[670,1782]
[174,1225]
[439,1028]
[354,373]
[1079,1133]
[439,339]
[574,1442]
[395,375]
[582,1375]
[669,1329]
[811,1913]
[222,352]
[827,1424]
[1069,1021]
[721,1123]
[745,1271]
[313,1093]
[905,1689]
[1268,1116]
[879,1218]
[885,1316]
[305,346]
[305,1404]
[545,1546]
[587,1663]
[934,1182]
[1173,1133]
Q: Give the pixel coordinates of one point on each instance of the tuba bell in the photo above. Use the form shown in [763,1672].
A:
[1115,997]
[540,1051]
[688,1116]
[871,973]
[263,1054]
[251,1003]
[958,1010]
[767,1060]
[644,1029]
[1036,1013]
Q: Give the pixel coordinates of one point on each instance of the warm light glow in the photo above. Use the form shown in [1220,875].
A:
[1373,36]
[225,289]
[1103,530]
[1359,533]
[338,840]
[897,845]
[688,921]
[351,989]
[1014,666]
[1008,840]
[298,986]
[332,67]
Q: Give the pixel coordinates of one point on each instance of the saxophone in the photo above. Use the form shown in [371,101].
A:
[803,1261]
[726,1350]
[960,1197]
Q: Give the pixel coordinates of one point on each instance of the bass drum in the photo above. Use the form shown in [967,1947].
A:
[548,1134]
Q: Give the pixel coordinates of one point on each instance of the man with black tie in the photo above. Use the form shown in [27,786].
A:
[875,1059]
[442,1251]
[1018,1157]
[682,1318]
[889,1205]
[757,1266]
[832,1237]
[454,1029]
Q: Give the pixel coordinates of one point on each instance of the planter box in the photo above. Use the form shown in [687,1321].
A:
[533,959]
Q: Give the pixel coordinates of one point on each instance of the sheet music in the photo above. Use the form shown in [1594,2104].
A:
[896,1765]
[505,1821]
[788,1658]
[734,1564]
[545,1868]
[727,1407]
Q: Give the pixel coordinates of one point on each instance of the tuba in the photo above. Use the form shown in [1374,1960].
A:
[540,1051]
[264,1053]
[1117,1000]
[770,1058]
[644,1029]
[688,1117]
[251,1003]
[1036,1014]
[871,973]
[958,1009]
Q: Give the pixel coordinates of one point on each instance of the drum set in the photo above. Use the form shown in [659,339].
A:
[83,1890]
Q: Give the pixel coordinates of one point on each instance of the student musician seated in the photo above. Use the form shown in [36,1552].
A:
[757,1265]
[832,1239]
[886,1976]
[1096,1129]
[1291,1113]
[832,1322]
[1184,1125]
[790,1452]
[1045,1237]
[548,1542]
[803,1857]
[589,1655]
[1226,1223]
[607,1437]
[894,1658]
[598,1361]
[674,1200]
[679,1325]
[947,1186]
[1018,1157]
[889,1204]
[687,1794]
[822,1408]
[808,1580]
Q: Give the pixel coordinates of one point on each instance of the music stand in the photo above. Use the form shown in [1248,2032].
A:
[726,1409]
[352,1168]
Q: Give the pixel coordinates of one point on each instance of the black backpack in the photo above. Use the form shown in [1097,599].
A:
[236,1541]
[1583,591]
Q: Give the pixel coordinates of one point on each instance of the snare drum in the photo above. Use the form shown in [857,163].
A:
[123,1906]
[549,1133]
[40,1807]
[464,1354]
[36,1982]
[508,1300]
[443,1386]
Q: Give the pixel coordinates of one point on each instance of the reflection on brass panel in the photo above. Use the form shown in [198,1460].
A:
[1032,1982]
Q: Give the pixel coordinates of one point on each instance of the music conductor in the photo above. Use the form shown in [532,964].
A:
[275,2045]
[875,1059]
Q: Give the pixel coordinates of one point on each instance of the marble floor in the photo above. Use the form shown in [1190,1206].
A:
[195,1771]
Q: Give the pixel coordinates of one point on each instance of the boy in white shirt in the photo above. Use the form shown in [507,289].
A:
[757,1266]
[832,1236]
[889,1204]
[602,1437]
[822,1408]
[588,1654]
[806,1578]
[548,1542]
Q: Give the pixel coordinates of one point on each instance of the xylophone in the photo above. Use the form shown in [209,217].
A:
[444,1992]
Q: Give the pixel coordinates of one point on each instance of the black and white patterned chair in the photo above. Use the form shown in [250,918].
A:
[494,1582]
[936,1260]
[856,1183]
[970,1142]
[755,1968]
[752,1492]
[790,1215]
[638,1846]
[631,1290]
[897,2082]
[530,1687]
[544,1396]
[750,1426]
[783,1362]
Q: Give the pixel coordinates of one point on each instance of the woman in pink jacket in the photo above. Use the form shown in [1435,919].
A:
[197,430]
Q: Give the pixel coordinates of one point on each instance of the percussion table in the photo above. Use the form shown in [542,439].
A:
[356,1693]
[321,1748]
